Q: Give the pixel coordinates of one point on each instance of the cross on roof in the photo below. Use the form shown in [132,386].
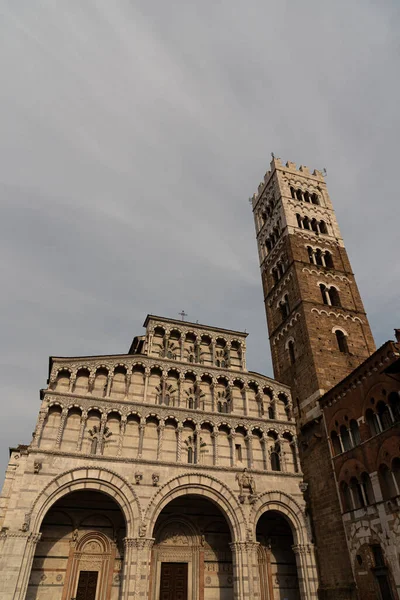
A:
[183,315]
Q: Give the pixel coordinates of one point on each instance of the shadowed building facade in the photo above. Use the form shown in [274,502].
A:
[169,472]
[319,334]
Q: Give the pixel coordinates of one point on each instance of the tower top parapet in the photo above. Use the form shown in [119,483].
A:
[276,164]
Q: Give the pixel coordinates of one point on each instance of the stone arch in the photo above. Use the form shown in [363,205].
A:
[98,479]
[285,505]
[202,485]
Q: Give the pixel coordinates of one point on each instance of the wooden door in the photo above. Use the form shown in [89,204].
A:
[87,585]
[174,580]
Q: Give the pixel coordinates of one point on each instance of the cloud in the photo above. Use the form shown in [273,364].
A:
[133,134]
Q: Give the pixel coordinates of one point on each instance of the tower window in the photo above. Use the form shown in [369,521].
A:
[314,199]
[341,339]
[284,307]
[292,192]
[328,260]
[299,195]
[306,196]
[322,227]
[292,355]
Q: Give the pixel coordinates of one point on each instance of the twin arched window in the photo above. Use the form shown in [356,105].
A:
[284,306]
[358,493]
[330,295]
[347,438]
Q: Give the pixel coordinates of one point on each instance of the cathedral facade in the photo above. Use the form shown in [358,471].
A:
[170,472]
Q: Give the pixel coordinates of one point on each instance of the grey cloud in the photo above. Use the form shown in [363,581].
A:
[132,135]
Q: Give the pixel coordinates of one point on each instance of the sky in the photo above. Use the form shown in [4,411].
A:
[132,134]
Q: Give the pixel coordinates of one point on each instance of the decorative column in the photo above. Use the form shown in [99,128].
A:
[228,354]
[214,436]
[16,558]
[164,376]
[180,388]
[245,570]
[249,441]
[122,429]
[136,569]
[128,380]
[282,457]
[213,352]
[307,571]
[230,388]
[179,431]
[72,380]
[103,421]
[245,401]
[142,426]
[264,452]
[231,438]
[197,445]
[212,390]
[60,432]
[39,428]
[160,430]
[376,487]
[182,345]
[109,383]
[146,383]
[81,431]
[92,376]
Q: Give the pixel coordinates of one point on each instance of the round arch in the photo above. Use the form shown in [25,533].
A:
[201,485]
[90,479]
[288,508]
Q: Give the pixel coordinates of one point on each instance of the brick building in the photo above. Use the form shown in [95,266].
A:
[319,333]
[362,420]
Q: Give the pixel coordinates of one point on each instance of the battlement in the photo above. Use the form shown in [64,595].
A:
[276,164]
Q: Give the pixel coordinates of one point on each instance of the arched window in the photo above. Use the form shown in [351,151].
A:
[299,195]
[386,481]
[355,432]
[306,223]
[166,399]
[346,497]
[292,355]
[356,492]
[217,363]
[345,437]
[310,254]
[275,459]
[314,199]
[190,455]
[384,415]
[219,406]
[328,260]
[314,225]
[394,403]
[324,293]
[299,222]
[318,258]
[334,296]
[306,196]
[322,227]
[190,403]
[292,192]
[275,275]
[271,411]
[336,447]
[372,422]
[341,339]
[284,306]
[367,488]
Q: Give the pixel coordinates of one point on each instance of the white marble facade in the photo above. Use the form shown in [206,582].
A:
[171,454]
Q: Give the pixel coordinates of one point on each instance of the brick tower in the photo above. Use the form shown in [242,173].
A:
[319,333]
[317,324]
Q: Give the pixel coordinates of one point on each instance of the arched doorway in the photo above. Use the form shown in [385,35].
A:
[80,552]
[277,561]
[191,557]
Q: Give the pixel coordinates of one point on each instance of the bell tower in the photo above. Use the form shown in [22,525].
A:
[318,328]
